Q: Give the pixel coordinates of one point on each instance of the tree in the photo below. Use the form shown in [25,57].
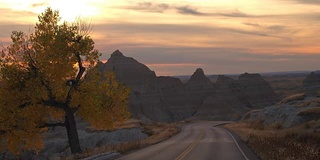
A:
[49,76]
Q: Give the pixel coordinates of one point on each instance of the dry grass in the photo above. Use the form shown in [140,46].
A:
[248,114]
[160,132]
[295,97]
[311,111]
[301,142]
[310,114]
[157,132]
[306,103]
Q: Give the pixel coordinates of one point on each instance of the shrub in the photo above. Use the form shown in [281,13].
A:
[258,125]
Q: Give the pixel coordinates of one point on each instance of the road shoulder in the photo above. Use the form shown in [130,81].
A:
[243,146]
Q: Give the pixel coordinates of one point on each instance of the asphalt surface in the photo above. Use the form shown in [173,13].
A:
[197,141]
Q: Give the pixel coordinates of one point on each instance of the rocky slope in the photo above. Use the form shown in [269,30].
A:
[168,99]
[291,111]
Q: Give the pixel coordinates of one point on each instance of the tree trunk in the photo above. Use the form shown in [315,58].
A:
[72,131]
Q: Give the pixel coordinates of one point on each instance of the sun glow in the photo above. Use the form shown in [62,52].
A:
[71,9]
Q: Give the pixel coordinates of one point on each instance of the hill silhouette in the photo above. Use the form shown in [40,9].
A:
[167,99]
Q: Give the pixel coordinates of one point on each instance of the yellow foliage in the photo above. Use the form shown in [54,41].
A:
[34,89]
[106,104]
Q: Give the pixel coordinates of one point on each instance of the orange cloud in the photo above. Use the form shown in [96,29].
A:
[174,65]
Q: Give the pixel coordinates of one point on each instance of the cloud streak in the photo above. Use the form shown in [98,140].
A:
[10,16]
[317,2]
[190,29]
[271,28]
[43,4]
[174,65]
[149,7]
[190,11]
[235,13]
[184,10]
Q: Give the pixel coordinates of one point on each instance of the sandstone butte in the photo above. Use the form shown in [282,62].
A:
[167,99]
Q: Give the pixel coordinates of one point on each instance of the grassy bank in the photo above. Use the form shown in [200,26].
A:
[276,143]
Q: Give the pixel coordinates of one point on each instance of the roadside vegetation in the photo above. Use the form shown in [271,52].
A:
[157,132]
[277,143]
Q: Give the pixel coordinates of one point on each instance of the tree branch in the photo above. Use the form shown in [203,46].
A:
[52,125]
[111,110]
[54,103]
[78,77]
[24,105]
[75,109]
[81,68]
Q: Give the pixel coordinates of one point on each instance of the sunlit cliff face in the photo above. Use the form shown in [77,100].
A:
[173,36]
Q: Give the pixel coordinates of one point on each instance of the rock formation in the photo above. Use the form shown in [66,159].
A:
[168,99]
[254,91]
[199,81]
[291,111]
[235,97]
[128,70]
[313,79]
[145,99]
[168,83]
[223,103]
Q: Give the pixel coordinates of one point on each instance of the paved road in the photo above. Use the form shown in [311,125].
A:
[197,141]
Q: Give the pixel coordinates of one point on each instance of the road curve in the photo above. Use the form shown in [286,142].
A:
[197,141]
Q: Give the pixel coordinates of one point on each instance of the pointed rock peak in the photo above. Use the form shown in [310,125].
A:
[199,77]
[198,74]
[117,53]
[129,71]
[199,71]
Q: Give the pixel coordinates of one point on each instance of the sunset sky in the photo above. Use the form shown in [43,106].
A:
[174,37]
